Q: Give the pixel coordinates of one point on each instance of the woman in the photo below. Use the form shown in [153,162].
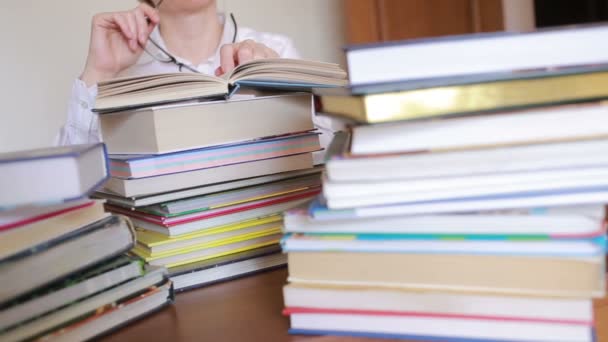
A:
[190,31]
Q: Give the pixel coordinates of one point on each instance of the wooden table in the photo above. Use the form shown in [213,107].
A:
[244,310]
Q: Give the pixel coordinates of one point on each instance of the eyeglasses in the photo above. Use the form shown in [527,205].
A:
[164,56]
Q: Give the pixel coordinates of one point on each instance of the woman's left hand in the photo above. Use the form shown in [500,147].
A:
[233,55]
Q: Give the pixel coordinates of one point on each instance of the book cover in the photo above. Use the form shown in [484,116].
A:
[136,166]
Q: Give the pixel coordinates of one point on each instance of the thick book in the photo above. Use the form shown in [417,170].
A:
[277,73]
[341,195]
[538,125]
[34,268]
[32,176]
[444,101]
[198,221]
[232,266]
[472,58]
[171,128]
[438,304]
[71,289]
[344,167]
[490,274]
[207,177]
[80,309]
[108,318]
[34,230]
[139,166]
[146,200]
[436,329]
[565,222]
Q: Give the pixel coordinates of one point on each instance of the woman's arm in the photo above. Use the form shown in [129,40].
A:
[116,44]
[81,126]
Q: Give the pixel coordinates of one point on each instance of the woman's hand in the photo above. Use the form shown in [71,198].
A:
[116,42]
[233,55]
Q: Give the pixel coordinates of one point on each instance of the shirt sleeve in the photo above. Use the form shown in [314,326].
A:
[289,50]
[82,125]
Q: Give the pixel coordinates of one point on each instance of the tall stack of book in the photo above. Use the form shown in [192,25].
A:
[205,180]
[486,223]
[63,267]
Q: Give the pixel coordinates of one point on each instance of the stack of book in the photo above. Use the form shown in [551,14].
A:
[486,223]
[205,180]
[63,266]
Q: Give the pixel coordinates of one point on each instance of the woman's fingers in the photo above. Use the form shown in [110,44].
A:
[125,29]
[245,52]
[150,13]
[233,55]
[227,58]
[142,26]
[133,25]
[270,53]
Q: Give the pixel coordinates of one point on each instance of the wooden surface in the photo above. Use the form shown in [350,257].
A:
[247,309]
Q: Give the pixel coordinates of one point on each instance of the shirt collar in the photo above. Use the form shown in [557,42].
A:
[227,35]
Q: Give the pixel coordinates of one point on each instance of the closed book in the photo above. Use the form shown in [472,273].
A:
[109,318]
[246,234]
[545,124]
[198,221]
[32,176]
[187,256]
[197,178]
[145,200]
[356,194]
[173,214]
[180,127]
[343,167]
[472,58]
[445,101]
[337,299]
[140,166]
[563,222]
[548,198]
[81,309]
[238,196]
[493,274]
[154,242]
[211,271]
[70,289]
[34,268]
[464,244]
[436,329]
[35,230]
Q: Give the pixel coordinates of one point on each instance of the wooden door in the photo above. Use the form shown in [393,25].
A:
[371,21]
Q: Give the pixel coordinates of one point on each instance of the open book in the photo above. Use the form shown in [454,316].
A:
[279,73]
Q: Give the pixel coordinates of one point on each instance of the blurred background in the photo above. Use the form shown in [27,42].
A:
[45,42]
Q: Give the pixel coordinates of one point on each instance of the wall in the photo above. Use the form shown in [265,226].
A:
[44,45]
[518,15]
